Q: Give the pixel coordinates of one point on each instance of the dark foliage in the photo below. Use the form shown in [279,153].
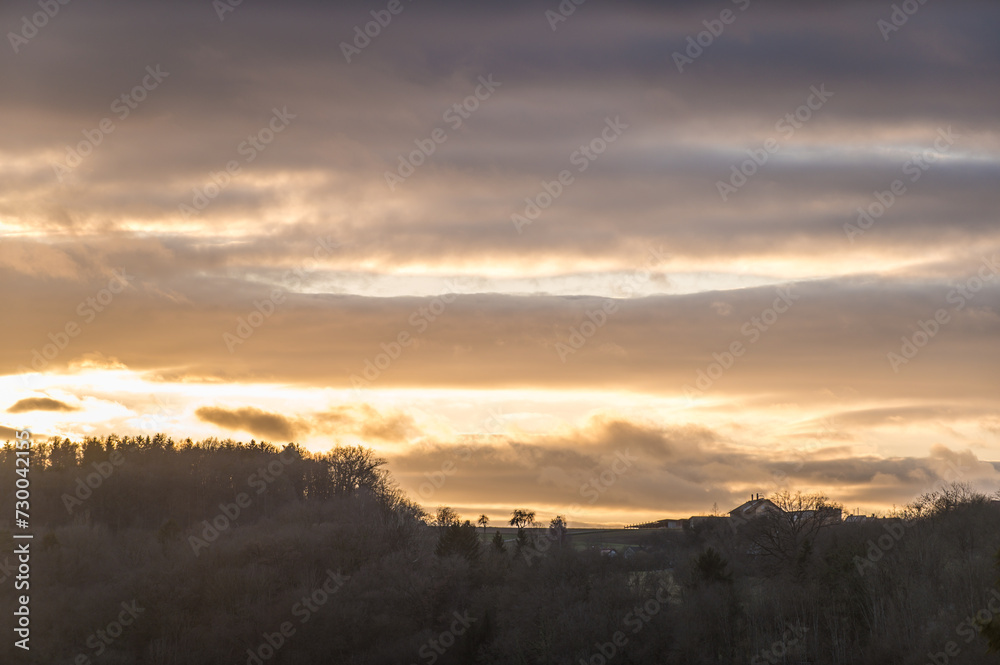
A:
[327,546]
[459,540]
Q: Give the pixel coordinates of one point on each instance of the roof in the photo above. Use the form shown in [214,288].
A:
[753,508]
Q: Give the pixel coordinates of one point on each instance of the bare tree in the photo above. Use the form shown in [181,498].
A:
[557,530]
[446,517]
[352,468]
[788,532]
[522,518]
[946,500]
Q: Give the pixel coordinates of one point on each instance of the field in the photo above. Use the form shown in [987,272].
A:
[582,539]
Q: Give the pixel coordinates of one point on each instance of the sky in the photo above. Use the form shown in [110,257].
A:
[613,261]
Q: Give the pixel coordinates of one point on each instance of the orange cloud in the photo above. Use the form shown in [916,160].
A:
[39,404]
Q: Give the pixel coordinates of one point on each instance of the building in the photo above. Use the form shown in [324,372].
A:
[671,524]
[757,506]
[826,516]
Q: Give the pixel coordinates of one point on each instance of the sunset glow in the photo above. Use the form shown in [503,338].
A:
[233,261]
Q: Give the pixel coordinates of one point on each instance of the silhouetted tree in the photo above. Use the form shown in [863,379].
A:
[522,518]
[786,534]
[352,468]
[557,530]
[921,577]
[460,540]
[445,517]
[946,500]
[711,567]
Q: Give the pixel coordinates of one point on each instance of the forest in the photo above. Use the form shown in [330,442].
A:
[154,551]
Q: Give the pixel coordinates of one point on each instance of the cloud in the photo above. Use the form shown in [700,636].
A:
[255,421]
[395,428]
[674,472]
[366,422]
[324,176]
[835,337]
[39,404]
[8,433]
[327,170]
[360,420]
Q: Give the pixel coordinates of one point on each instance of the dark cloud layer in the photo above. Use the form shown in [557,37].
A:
[360,420]
[835,333]
[39,404]
[249,419]
[353,121]
[676,472]
[99,260]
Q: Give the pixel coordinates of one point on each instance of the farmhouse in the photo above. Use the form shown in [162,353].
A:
[757,506]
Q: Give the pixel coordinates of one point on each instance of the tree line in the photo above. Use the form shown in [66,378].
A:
[326,560]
